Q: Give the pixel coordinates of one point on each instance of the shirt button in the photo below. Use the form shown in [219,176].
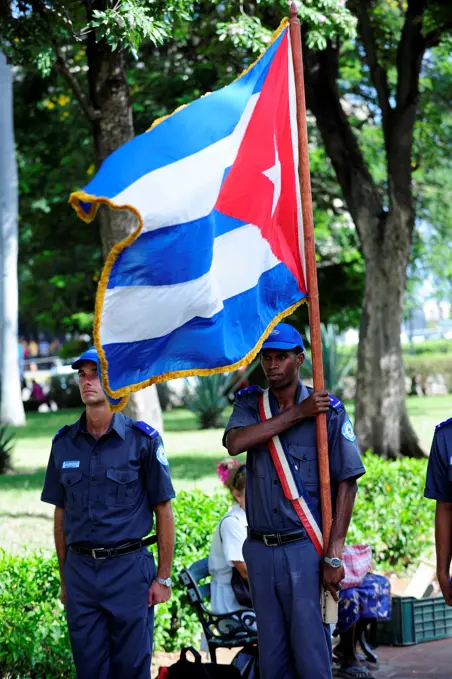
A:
[275,511]
[275,482]
[94,478]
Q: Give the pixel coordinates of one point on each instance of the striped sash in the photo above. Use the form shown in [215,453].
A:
[291,483]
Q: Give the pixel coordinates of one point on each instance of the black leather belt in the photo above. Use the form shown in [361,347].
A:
[109,552]
[275,539]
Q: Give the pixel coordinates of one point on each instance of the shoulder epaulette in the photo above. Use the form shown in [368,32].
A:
[443,424]
[248,390]
[335,402]
[60,432]
[146,429]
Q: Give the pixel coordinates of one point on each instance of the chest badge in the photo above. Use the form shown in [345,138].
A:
[71,464]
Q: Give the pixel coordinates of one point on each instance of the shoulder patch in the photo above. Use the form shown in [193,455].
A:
[146,429]
[60,433]
[335,402]
[443,424]
[249,390]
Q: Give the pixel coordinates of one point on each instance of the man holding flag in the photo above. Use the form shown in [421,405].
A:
[284,550]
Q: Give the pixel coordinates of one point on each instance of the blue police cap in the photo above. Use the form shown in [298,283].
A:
[284,337]
[88,355]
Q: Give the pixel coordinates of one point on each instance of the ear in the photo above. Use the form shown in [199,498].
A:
[300,360]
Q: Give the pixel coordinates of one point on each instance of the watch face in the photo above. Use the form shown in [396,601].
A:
[335,562]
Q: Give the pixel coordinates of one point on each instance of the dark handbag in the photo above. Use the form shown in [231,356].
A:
[247,661]
[184,669]
[241,589]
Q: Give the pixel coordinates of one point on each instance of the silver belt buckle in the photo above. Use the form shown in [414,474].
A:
[270,536]
[99,558]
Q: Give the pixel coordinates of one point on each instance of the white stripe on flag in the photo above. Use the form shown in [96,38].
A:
[187,189]
[281,454]
[136,313]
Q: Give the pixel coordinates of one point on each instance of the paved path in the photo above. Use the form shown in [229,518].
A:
[422,661]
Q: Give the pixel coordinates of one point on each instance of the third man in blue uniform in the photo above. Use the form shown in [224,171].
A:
[439,487]
[284,568]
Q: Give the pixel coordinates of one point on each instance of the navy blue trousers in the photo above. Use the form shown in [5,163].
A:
[285,588]
[110,624]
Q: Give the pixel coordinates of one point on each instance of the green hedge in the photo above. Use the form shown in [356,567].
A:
[442,346]
[427,365]
[390,515]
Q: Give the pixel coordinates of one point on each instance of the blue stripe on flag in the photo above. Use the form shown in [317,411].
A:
[182,134]
[207,342]
[147,262]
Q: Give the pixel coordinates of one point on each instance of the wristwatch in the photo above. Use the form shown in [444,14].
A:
[334,562]
[166,582]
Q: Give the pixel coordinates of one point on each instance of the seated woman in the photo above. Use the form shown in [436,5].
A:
[230,534]
[358,606]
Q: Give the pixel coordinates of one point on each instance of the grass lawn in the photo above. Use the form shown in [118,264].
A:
[25,522]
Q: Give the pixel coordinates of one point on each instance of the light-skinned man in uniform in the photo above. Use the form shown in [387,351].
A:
[107,477]
[285,570]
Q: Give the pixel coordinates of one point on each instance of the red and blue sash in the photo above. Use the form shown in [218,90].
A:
[291,482]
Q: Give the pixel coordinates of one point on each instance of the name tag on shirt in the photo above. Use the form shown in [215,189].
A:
[71,464]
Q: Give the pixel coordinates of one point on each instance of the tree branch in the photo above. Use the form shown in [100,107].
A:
[378,74]
[323,100]
[410,53]
[90,112]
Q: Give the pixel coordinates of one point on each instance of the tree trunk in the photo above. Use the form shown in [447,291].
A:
[11,408]
[109,94]
[382,424]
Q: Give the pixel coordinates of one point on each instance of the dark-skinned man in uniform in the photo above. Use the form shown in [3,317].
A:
[285,569]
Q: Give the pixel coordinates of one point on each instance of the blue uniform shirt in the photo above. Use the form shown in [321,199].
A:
[108,487]
[267,509]
[439,471]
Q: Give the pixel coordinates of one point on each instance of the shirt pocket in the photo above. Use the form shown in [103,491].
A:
[73,488]
[306,465]
[123,486]
[260,461]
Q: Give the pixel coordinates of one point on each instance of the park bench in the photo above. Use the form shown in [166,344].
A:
[228,630]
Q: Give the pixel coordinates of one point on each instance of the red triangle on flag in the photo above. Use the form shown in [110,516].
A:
[260,188]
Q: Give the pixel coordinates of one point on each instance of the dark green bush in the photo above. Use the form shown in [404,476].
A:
[33,636]
[390,515]
[64,391]
[6,448]
[427,365]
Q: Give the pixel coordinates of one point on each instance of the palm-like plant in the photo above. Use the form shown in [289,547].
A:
[336,365]
[207,397]
[6,448]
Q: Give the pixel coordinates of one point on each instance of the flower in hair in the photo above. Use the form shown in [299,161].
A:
[223,469]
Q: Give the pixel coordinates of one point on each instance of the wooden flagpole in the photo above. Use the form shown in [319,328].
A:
[311,272]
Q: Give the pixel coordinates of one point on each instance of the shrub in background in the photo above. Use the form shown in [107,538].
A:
[429,365]
[390,515]
[337,363]
[207,398]
[6,448]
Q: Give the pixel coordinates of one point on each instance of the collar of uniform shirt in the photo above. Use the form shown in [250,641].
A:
[118,424]
[301,394]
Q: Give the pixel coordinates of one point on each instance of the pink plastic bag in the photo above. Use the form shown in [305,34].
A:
[357,562]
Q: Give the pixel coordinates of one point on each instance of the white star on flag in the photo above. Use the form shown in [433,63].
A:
[274,175]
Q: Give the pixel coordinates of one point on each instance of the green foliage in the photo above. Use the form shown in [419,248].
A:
[337,364]
[207,398]
[391,513]
[6,448]
[440,346]
[428,365]
[34,641]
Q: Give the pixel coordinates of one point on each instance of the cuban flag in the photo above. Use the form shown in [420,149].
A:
[217,257]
